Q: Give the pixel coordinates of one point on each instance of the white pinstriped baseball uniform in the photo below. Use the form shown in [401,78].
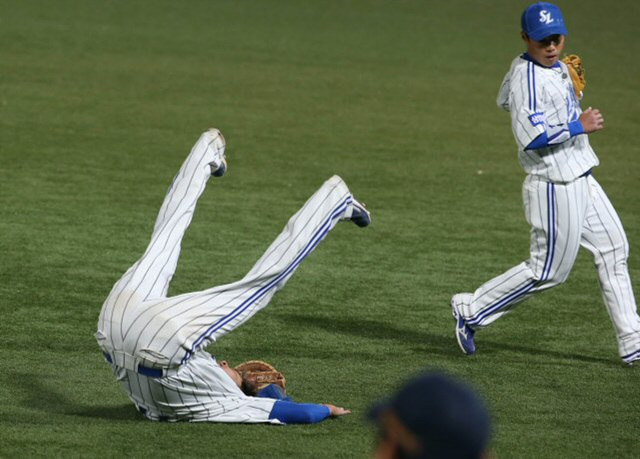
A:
[155,344]
[563,203]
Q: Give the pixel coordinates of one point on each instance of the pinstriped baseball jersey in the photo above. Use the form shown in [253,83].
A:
[540,100]
[155,344]
[199,391]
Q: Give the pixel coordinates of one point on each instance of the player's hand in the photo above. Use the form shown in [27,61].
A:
[336,410]
[591,120]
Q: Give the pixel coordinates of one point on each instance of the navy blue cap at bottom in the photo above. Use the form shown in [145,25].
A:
[448,418]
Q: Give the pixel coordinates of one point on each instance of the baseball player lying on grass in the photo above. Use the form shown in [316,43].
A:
[156,344]
[564,204]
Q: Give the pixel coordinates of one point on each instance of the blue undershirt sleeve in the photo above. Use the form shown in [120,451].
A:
[298,413]
[575,128]
[539,142]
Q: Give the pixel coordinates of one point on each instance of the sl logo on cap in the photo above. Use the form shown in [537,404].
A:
[545,17]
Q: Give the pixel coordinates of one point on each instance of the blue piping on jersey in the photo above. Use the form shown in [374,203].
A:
[533,84]
[315,240]
[551,237]
[531,87]
[543,140]
[514,296]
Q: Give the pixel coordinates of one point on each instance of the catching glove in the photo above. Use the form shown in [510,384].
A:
[261,374]
[576,72]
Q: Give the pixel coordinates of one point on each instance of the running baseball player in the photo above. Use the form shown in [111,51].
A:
[156,344]
[563,202]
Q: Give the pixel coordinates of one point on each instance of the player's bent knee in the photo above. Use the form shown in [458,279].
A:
[615,257]
[551,279]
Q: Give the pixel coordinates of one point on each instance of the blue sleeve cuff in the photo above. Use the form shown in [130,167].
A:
[298,413]
[575,128]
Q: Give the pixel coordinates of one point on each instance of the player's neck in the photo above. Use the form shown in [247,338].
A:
[527,57]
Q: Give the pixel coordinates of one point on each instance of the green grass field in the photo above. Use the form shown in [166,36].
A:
[101,101]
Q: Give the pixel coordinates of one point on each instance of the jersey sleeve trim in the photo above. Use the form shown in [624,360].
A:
[576,128]
[298,413]
[556,135]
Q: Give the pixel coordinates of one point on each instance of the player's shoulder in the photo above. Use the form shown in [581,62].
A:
[563,66]
[520,66]
[524,69]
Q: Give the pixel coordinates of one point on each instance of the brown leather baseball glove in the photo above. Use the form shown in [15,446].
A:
[576,72]
[261,373]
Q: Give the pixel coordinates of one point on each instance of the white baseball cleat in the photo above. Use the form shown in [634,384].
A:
[216,141]
[360,215]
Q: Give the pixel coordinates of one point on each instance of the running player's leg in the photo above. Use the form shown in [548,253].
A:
[555,214]
[604,236]
[179,326]
[149,277]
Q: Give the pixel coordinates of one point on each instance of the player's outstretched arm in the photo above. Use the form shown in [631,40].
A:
[304,413]
[591,120]
[336,411]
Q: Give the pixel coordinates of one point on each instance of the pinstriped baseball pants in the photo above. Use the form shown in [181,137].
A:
[139,325]
[563,217]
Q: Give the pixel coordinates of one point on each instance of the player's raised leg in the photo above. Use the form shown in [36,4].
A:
[153,271]
[149,277]
[177,327]
[604,236]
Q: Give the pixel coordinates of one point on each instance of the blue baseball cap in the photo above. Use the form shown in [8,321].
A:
[447,417]
[541,20]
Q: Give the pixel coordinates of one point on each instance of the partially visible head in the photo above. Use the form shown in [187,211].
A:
[246,386]
[543,32]
[432,416]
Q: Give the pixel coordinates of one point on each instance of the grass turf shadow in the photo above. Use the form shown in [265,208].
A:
[490,347]
[40,395]
[430,342]
[376,330]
